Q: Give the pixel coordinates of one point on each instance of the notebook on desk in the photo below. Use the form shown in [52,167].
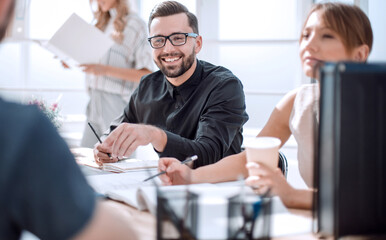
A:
[85,156]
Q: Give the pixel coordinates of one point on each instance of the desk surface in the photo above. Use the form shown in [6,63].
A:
[145,224]
[285,223]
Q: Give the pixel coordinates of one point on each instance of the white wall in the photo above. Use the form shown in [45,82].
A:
[376,11]
[266,63]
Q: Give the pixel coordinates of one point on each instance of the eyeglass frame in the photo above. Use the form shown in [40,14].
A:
[194,35]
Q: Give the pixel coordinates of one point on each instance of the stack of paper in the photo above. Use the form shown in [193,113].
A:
[129,164]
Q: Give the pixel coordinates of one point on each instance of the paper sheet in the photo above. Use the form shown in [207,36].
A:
[77,42]
[122,181]
[130,164]
[85,156]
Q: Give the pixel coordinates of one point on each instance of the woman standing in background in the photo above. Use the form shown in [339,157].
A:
[111,82]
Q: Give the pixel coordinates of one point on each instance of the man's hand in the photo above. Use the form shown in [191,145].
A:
[102,157]
[65,65]
[176,173]
[125,139]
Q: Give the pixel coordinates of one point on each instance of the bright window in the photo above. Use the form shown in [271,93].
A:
[257,19]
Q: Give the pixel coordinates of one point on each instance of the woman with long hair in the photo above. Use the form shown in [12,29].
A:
[111,82]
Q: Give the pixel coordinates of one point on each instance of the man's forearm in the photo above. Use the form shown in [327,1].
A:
[159,138]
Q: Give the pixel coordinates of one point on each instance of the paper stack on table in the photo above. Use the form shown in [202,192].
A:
[129,164]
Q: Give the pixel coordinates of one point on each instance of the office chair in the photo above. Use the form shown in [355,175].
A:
[283,164]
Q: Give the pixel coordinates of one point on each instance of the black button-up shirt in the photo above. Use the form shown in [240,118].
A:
[203,116]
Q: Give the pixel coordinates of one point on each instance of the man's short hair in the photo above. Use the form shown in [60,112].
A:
[169,8]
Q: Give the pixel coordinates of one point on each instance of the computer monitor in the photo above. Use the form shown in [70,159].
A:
[350,156]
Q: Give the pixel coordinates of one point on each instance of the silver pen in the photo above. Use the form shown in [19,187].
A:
[187,160]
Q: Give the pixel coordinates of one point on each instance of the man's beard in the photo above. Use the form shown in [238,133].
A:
[176,71]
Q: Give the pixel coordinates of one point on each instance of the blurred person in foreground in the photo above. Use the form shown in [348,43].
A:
[42,189]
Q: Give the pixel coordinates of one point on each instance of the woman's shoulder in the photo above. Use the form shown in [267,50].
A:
[296,95]
[307,91]
[300,92]
[289,98]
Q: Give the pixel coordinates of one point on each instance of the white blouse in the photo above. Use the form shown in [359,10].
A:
[304,118]
[134,52]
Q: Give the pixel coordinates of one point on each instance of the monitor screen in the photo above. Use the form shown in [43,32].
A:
[350,156]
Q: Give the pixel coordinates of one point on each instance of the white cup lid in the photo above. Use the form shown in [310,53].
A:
[261,142]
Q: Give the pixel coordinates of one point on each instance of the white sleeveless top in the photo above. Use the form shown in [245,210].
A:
[301,124]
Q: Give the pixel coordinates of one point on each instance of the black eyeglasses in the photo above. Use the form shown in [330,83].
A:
[176,39]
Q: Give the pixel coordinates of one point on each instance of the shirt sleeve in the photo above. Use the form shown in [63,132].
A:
[128,116]
[219,128]
[50,196]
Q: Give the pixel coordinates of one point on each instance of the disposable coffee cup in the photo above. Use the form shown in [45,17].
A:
[262,150]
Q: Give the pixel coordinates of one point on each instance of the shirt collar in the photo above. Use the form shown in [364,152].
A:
[189,85]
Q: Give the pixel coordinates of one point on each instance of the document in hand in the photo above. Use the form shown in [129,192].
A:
[77,42]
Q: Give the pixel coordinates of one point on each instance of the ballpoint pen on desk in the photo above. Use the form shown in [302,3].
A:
[187,160]
[100,141]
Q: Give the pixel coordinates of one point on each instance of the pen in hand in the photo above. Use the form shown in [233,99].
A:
[100,141]
[187,160]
